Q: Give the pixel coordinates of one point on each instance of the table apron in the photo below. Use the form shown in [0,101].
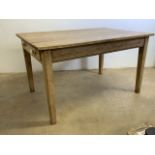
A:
[33,52]
[95,49]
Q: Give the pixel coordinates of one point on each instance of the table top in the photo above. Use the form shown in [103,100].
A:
[69,38]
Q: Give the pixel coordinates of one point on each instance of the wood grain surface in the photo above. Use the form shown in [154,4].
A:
[68,38]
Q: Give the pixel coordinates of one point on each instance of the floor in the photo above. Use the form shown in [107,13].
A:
[87,103]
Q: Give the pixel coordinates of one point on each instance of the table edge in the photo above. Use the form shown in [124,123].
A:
[85,43]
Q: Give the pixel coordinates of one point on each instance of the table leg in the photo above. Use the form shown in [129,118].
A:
[28,64]
[140,66]
[101,61]
[49,84]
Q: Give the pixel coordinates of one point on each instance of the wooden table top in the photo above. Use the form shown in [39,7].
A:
[69,38]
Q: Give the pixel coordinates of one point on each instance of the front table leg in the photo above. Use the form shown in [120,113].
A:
[140,66]
[49,83]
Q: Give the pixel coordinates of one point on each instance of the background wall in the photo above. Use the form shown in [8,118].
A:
[11,56]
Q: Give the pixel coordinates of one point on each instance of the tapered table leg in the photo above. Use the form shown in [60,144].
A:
[140,66]
[49,84]
[28,64]
[101,61]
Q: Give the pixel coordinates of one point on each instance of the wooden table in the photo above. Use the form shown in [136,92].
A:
[52,47]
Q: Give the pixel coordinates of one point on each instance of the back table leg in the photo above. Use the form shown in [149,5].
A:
[101,61]
[28,64]
[49,83]
[140,66]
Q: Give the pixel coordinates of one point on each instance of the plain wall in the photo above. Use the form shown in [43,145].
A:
[11,55]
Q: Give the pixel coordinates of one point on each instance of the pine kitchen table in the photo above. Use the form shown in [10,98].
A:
[55,46]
